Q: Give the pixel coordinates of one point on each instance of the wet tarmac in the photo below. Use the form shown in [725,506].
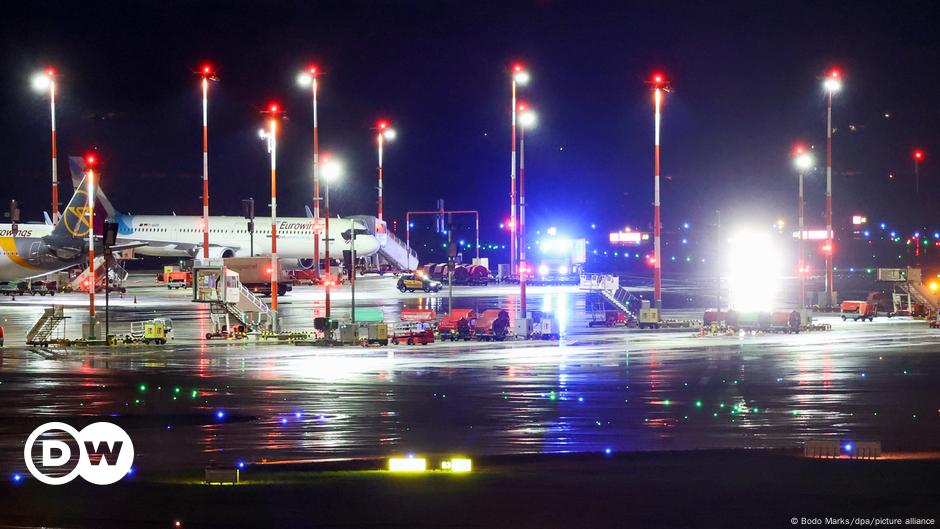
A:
[191,403]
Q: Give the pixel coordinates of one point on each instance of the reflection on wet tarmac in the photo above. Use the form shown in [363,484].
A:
[191,403]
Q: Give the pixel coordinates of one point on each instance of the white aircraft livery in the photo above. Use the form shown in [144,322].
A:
[182,236]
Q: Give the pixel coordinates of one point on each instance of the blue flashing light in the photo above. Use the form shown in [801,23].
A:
[883,225]
[580,399]
[867,234]
[283,420]
[608,451]
[17,477]
[936,235]
[894,234]
[685,225]
[847,447]
[130,471]
[241,464]
[411,224]
[297,415]
[593,226]
[685,241]
[220,414]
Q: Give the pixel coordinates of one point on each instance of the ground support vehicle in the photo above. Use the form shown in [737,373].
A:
[492,324]
[154,331]
[363,333]
[858,310]
[458,325]
[412,282]
[411,333]
[607,318]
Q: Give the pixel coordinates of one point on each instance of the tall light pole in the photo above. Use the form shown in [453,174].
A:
[918,157]
[832,84]
[384,133]
[309,79]
[274,112]
[331,170]
[520,77]
[527,120]
[90,162]
[42,82]
[207,74]
[804,162]
[659,87]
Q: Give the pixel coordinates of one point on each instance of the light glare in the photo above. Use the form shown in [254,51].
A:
[41,81]
[754,273]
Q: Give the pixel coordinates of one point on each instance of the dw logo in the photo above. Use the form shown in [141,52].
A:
[101,452]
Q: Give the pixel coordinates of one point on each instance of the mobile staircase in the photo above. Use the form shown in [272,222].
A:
[393,252]
[907,285]
[608,288]
[230,303]
[45,326]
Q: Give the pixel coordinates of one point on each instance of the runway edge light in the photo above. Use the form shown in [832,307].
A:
[457,464]
[407,464]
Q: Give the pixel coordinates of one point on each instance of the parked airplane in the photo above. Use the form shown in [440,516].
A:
[39,249]
[182,236]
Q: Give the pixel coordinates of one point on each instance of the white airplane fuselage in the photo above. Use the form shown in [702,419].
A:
[182,236]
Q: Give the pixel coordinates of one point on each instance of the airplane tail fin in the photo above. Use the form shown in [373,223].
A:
[77,167]
[309,213]
[47,218]
[75,222]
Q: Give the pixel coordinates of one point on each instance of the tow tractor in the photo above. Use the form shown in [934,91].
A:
[411,333]
[154,331]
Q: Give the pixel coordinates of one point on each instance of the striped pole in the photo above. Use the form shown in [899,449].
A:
[272,146]
[657,255]
[381,140]
[91,244]
[205,165]
[316,175]
[512,188]
[55,176]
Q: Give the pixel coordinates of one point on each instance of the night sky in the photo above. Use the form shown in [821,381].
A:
[746,88]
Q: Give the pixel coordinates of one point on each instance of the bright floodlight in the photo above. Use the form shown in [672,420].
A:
[520,75]
[263,134]
[528,118]
[389,134]
[833,82]
[803,161]
[755,266]
[304,79]
[332,169]
[41,81]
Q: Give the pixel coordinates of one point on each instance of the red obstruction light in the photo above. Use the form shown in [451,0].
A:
[835,73]
[91,160]
[658,79]
[382,125]
[312,70]
[798,150]
[918,155]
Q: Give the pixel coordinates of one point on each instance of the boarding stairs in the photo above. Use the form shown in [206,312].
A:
[392,250]
[907,282]
[248,311]
[118,275]
[608,287]
[47,324]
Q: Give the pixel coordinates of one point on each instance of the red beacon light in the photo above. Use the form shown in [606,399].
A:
[91,160]
[658,79]
[918,155]
[382,125]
